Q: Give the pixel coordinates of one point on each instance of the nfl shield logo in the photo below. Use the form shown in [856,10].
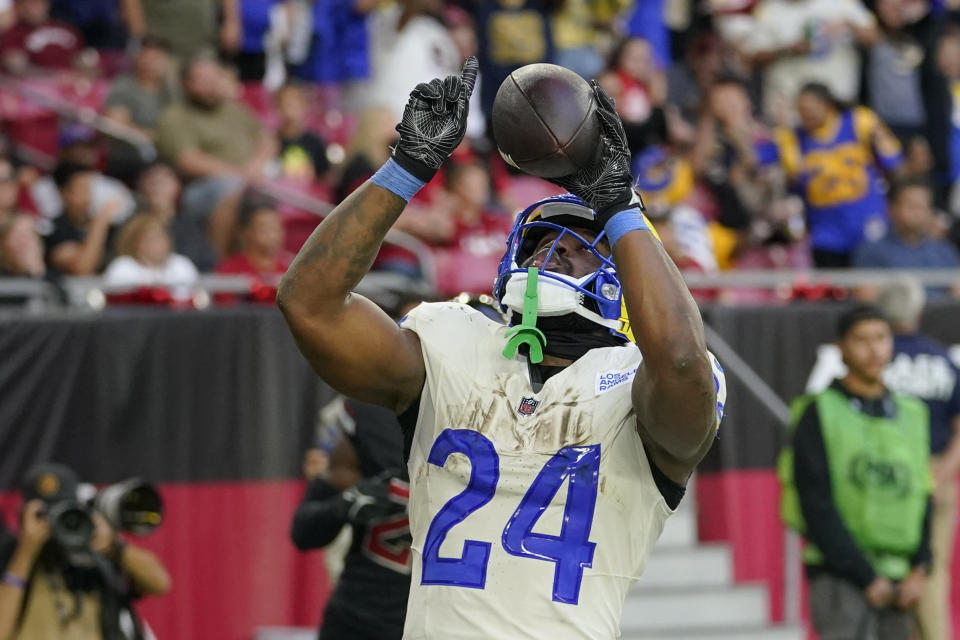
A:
[528,406]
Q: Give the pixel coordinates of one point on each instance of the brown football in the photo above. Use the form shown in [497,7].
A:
[544,121]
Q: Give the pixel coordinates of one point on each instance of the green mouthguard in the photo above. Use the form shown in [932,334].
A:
[526,332]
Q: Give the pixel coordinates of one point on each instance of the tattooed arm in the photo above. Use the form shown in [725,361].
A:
[353,345]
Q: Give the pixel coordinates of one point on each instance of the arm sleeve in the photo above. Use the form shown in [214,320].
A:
[886,148]
[923,556]
[319,517]
[825,527]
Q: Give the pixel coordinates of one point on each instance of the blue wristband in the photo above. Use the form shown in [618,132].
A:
[14,581]
[624,222]
[398,180]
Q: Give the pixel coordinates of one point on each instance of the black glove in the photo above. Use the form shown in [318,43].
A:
[606,185]
[434,122]
[369,500]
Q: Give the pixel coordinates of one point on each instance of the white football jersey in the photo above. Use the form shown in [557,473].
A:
[532,513]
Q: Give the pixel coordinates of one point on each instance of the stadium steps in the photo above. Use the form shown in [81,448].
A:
[687,592]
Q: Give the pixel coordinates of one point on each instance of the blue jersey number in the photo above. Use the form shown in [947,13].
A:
[571,550]
[470,569]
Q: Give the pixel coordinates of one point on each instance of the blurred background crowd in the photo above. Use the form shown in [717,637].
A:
[151,141]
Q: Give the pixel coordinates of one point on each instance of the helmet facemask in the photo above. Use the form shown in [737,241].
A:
[595,296]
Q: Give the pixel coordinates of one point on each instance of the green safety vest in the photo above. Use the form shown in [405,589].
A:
[879,475]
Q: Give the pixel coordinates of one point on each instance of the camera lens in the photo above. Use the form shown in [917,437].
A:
[132,505]
[71,526]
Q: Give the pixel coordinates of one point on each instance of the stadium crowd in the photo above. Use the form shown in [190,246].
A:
[766,133]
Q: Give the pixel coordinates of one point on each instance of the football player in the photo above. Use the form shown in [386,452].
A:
[362,487]
[544,457]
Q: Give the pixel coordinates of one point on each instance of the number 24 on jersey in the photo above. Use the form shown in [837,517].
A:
[571,550]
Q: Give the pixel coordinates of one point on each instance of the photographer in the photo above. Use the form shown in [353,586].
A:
[52,588]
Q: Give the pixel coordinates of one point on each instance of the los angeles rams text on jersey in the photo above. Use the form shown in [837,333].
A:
[527,523]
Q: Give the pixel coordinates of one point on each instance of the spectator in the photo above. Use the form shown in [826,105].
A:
[251,58]
[261,242]
[801,41]
[189,26]
[77,244]
[78,146]
[511,35]
[463,31]
[368,149]
[834,159]
[99,21]
[9,189]
[409,45]
[948,63]
[8,15]
[909,244]
[158,191]
[725,161]
[216,143]
[21,248]
[922,367]
[893,73]
[136,100]
[463,218]
[577,29]
[37,43]
[856,485]
[689,80]
[303,154]
[666,180]
[145,258]
[480,227]
[337,41]
[206,135]
[639,89]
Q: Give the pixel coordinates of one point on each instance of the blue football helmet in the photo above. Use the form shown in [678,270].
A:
[596,296]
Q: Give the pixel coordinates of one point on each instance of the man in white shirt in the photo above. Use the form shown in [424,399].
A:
[799,41]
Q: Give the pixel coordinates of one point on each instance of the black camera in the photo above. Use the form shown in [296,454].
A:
[133,506]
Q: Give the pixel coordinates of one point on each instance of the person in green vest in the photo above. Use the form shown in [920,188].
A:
[856,484]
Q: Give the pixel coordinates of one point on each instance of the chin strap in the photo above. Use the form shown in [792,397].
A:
[526,332]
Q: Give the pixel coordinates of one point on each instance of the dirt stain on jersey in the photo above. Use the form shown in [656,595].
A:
[558,422]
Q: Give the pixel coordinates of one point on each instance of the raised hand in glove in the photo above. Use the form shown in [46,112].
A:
[369,500]
[434,122]
[606,185]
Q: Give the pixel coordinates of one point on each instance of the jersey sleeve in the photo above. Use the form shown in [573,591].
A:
[448,331]
[788,153]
